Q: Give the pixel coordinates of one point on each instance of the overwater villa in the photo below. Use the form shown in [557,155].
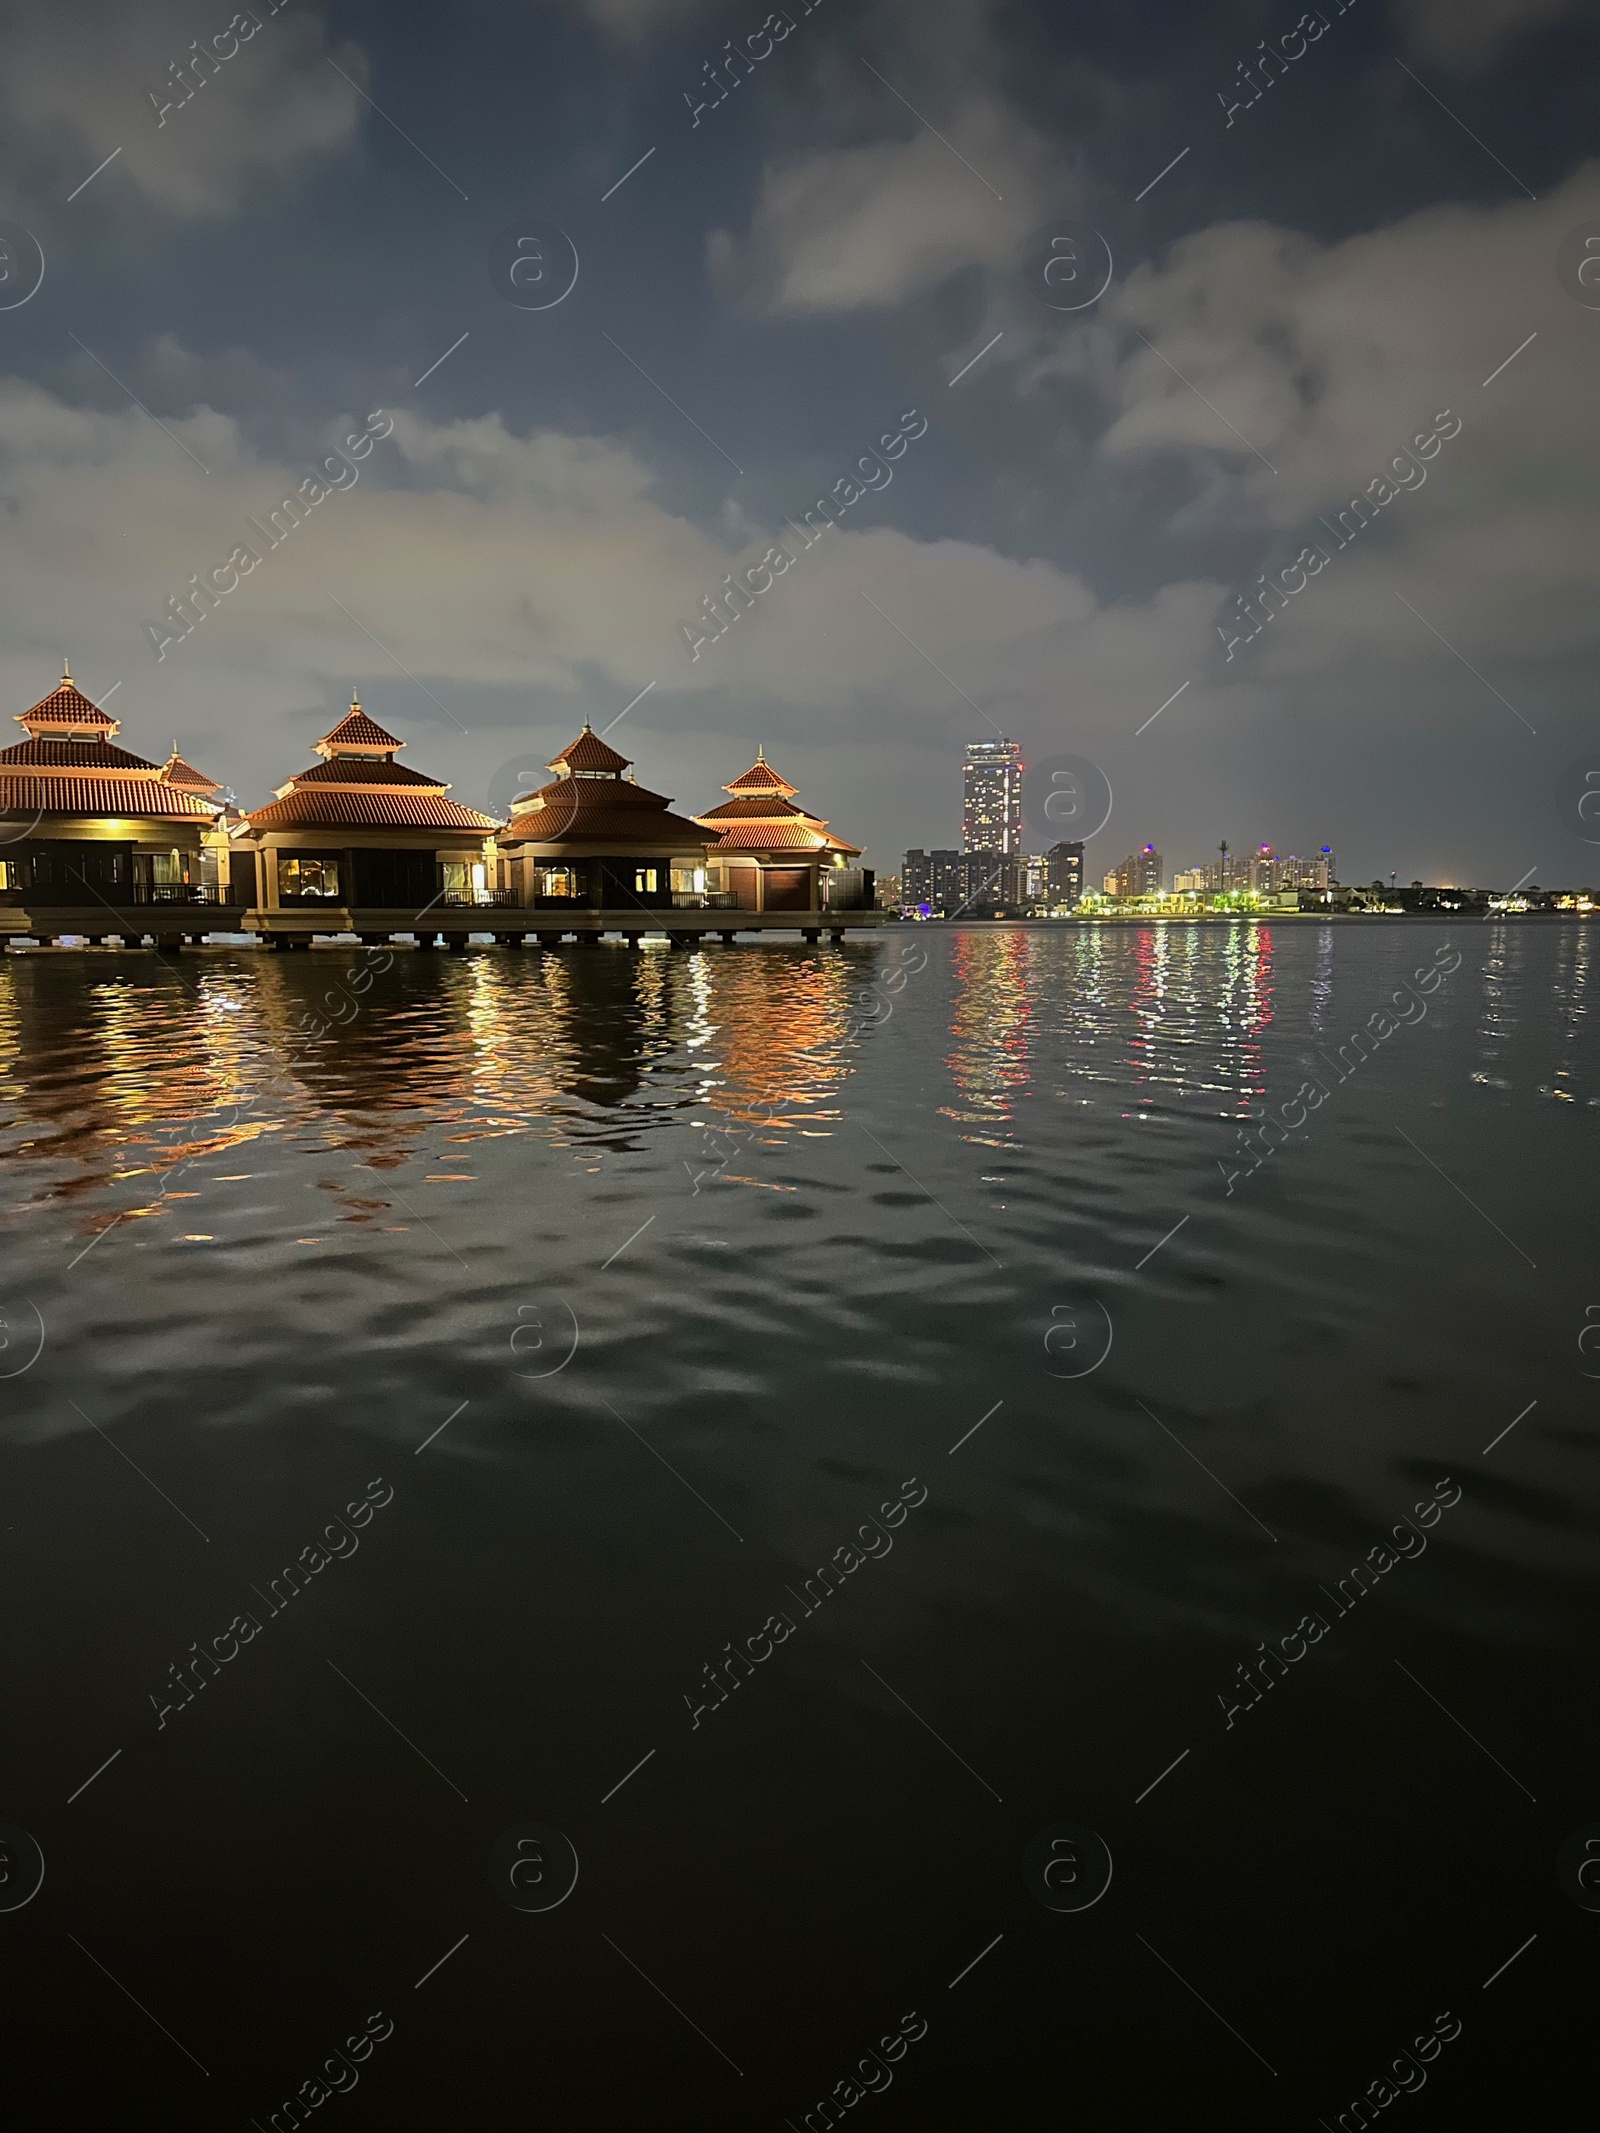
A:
[596,841]
[771,855]
[362,844]
[95,842]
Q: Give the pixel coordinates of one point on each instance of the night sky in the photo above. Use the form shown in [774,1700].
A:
[792,275]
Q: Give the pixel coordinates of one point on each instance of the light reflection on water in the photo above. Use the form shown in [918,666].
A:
[802,1257]
[115,1076]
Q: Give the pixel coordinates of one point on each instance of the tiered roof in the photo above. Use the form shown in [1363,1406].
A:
[359,785]
[761,816]
[187,779]
[592,803]
[68,766]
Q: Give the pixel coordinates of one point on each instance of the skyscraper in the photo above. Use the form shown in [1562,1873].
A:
[1065,873]
[1138,875]
[991,798]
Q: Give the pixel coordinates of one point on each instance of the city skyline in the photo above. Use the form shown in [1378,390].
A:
[1000,863]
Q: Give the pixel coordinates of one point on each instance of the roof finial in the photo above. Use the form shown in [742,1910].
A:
[355,704]
[66,668]
[761,751]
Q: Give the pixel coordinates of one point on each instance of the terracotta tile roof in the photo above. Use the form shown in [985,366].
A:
[625,833]
[177,772]
[779,837]
[619,795]
[762,816]
[356,730]
[760,777]
[347,770]
[90,795]
[577,810]
[67,701]
[589,752]
[89,754]
[322,809]
[754,809]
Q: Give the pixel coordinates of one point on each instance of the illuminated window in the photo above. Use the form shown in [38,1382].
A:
[465,880]
[307,877]
[689,881]
[556,881]
[644,881]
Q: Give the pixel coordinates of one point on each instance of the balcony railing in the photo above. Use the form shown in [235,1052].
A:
[706,900]
[169,892]
[74,892]
[474,899]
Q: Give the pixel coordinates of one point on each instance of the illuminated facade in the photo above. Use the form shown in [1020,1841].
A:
[98,842]
[770,855]
[1064,873]
[597,840]
[947,883]
[1271,872]
[991,798]
[361,844]
[1140,874]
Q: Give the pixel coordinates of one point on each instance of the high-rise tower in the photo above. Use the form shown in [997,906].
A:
[991,798]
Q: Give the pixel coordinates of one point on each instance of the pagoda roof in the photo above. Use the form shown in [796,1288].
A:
[67,706]
[68,766]
[579,810]
[87,793]
[351,807]
[802,836]
[763,816]
[589,753]
[353,789]
[356,730]
[55,752]
[749,808]
[177,772]
[359,773]
[761,778]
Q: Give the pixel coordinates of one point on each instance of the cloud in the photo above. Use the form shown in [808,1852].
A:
[1328,360]
[865,228]
[265,110]
[529,580]
[1467,35]
[524,582]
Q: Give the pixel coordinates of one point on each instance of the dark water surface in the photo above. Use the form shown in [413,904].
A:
[642,1280]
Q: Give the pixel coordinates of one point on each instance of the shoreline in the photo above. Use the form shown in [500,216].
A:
[1258,918]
